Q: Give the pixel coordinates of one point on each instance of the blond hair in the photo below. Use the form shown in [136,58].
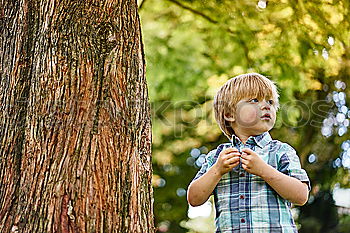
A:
[251,85]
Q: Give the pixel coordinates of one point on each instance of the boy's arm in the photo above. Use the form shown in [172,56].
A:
[200,189]
[286,186]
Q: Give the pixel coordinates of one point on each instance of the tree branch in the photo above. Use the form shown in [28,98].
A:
[194,11]
[141,5]
[208,18]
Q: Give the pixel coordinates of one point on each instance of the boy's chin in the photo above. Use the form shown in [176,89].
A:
[268,126]
[263,130]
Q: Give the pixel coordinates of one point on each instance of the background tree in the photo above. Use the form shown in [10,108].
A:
[75,125]
[193,47]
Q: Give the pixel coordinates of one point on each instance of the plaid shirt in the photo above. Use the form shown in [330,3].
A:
[245,202]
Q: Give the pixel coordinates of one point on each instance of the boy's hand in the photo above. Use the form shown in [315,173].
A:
[252,163]
[227,160]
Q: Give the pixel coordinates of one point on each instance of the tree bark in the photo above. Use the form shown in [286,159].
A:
[75,133]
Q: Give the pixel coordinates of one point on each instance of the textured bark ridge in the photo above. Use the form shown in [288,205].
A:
[75,135]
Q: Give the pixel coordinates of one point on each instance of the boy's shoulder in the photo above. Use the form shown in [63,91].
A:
[274,144]
[282,146]
[283,151]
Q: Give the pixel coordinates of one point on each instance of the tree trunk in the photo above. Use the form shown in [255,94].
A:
[75,120]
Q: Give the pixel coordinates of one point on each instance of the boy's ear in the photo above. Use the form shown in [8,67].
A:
[229,117]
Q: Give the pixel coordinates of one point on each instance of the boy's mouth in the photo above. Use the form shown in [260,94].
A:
[266,116]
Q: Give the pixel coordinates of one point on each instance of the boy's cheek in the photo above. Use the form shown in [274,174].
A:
[246,115]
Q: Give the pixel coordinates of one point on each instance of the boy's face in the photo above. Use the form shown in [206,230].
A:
[253,116]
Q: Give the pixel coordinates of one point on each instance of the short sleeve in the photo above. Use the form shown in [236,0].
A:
[289,164]
[209,161]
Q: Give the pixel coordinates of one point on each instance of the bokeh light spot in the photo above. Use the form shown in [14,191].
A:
[262,4]
[312,158]
[330,40]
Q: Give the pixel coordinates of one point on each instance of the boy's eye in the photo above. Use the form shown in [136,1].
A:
[270,102]
[255,100]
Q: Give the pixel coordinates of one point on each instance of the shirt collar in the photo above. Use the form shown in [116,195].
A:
[260,140]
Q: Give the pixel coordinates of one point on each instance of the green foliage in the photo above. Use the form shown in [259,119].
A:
[344,224]
[192,47]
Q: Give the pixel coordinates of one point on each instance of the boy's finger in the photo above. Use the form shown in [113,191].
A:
[244,155]
[245,160]
[233,160]
[233,165]
[247,150]
[233,154]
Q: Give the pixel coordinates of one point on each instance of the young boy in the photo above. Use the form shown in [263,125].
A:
[254,178]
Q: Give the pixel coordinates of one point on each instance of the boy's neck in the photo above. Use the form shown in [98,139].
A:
[242,136]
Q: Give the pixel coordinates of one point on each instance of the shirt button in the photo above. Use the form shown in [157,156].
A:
[242,175]
[242,220]
[241,197]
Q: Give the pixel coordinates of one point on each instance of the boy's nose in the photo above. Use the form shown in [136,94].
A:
[265,105]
